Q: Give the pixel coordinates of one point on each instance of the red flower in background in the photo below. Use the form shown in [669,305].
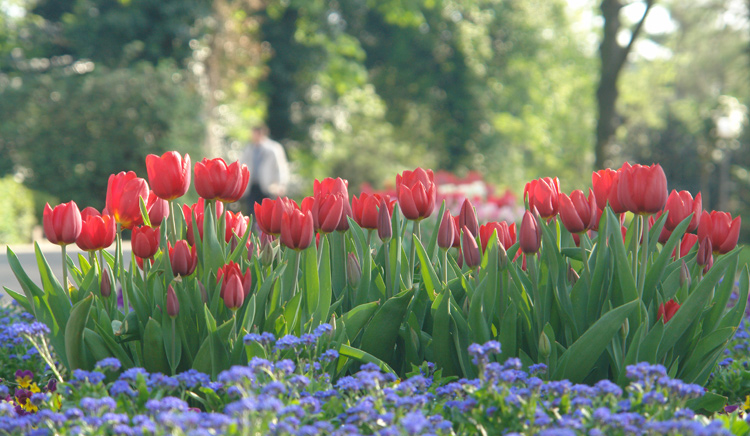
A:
[365,209]
[326,198]
[233,269]
[543,195]
[97,231]
[196,212]
[169,175]
[236,224]
[667,310]
[145,241]
[506,234]
[182,257]
[297,229]
[680,205]
[723,231]
[577,213]
[686,244]
[124,191]
[603,182]
[268,214]
[158,209]
[215,180]
[62,225]
[416,193]
[642,189]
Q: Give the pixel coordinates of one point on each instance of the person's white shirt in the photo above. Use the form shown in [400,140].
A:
[273,169]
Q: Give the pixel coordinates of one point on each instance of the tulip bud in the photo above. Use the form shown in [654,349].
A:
[105,287]
[625,329]
[446,231]
[531,234]
[708,265]
[250,249]
[266,253]
[572,276]
[705,252]
[545,347]
[467,217]
[353,270]
[385,228]
[204,294]
[684,275]
[469,248]
[234,295]
[173,305]
[460,259]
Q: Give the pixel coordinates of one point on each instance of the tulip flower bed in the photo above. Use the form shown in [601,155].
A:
[587,286]
[292,393]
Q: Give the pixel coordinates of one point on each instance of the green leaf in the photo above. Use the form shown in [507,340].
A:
[364,357]
[74,334]
[708,403]
[355,319]
[580,357]
[96,345]
[380,336]
[656,269]
[429,276]
[325,293]
[442,340]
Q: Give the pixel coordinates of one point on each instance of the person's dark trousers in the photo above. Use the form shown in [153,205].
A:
[256,195]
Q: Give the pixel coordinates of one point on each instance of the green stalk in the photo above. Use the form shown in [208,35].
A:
[585,261]
[388,280]
[121,269]
[412,252]
[174,351]
[65,268]
[295,283]
[445,266]
[173,236]
[644,258]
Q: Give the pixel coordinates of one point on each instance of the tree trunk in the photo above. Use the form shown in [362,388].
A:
[613,57]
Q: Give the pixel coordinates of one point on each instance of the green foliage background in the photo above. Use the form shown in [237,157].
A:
[362,89]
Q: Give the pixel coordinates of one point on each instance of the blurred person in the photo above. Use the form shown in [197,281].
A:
[269,169]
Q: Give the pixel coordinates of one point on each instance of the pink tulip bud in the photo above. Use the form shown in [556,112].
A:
[173,305]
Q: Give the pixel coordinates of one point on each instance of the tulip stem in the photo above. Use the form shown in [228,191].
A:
[413,250]
[445,266]
[65,268]
[296,272]
[644,257]
[173,237]
[174,350]
[388,281]
[121,269]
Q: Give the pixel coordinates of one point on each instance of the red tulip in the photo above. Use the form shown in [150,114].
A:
[62,225]
[169,175]
[667,311]
[215,180]
[530,235]
[686,244]
[680,205]
[268,214]
[196,211]
[506,234]
[709,265]
[297,229]
[457,231]
[124,191]
[469,248]
[173,304]
[233,293]
[723,231]
[577,213]
[543,195]
[665,233]
[145,241]
[603,182]
[385,227]
[446,231]
[416,193]
[327,212]
[365,209]
[90,211]
[182,257]
[321,193]
[97,232]
[468,217]
[157,208]
[236,224]
[233,269]
[642,189]
[705,252]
